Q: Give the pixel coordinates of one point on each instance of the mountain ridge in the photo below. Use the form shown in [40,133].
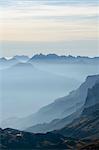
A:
[55,123]
[87,124]
[53,57]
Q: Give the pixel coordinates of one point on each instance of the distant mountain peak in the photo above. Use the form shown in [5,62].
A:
[20,64]
[54,57]
[63,58]
[21,58]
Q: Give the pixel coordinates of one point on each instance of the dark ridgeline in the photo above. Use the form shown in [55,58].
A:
[81,134]
[18,140]
[14,139]
[50,58]
[87,125]
[71,104]
[63,59]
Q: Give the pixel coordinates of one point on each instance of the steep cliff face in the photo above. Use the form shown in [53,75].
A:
[93,96]
[87,125]
[82,133]
[84,96]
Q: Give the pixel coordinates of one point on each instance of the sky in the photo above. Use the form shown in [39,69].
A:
[66,27]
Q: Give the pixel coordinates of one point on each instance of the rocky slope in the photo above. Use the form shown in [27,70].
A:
[87,125]
[14,139]
[60,106]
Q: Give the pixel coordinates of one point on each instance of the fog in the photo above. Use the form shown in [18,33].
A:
[24,88]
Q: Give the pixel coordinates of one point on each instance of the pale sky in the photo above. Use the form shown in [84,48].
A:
[50,26]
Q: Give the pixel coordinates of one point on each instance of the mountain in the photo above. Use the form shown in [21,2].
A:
[93,96]
[41,57]
[51,58]
[3,60]
[64,59]
[92,99]
[7,63]
[24,83]
[87,125]
[68,106]
[54,124]
[61,108]
[81,134]
[22,58]
[14,139]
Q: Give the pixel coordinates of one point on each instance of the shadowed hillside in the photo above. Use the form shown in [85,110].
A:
[87,125]
[66,104]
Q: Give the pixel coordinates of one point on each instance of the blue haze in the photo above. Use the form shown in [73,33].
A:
[27,87]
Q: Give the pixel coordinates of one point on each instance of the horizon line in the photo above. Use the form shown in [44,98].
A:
[38,54]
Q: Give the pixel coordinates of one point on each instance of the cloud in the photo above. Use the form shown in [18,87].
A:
[22,21]
[48,22]
[48,11]
[50,2]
